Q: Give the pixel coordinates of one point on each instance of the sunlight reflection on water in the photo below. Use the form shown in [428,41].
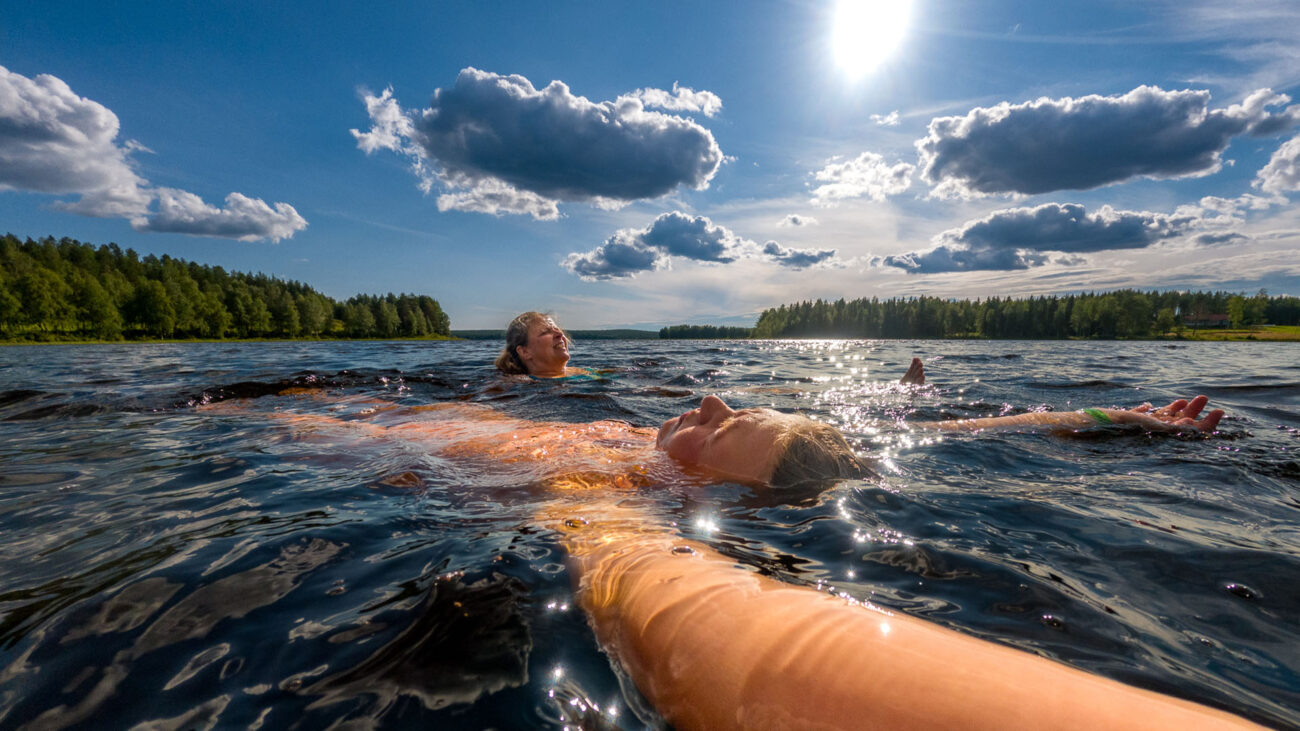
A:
[169,563]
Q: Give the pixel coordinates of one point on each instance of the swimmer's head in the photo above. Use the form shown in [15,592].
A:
[534,345]
[758,445]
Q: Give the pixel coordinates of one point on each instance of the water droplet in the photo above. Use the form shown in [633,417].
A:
[1053,621]
[575,522]
[683,550]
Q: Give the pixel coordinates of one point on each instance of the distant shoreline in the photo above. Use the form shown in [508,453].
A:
[1266,333]
[153,341]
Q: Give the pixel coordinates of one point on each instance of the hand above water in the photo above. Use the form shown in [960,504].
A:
[915,375]
[1178,415]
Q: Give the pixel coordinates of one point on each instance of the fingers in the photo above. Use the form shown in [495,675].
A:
[915,374]
[1142,408]
[1211,420]
[1172,410]
[1194,407]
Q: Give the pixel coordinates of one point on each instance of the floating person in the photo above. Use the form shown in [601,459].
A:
[537,347]
[1178,415]
[713,645]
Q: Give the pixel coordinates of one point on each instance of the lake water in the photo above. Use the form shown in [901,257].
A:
[162,563]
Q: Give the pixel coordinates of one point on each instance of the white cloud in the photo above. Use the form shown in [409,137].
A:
[500,145]
[1088,142]
[680,99]
[799,258]
[795,220]
[866,176]
[495,197]
[888,120]
[675,234]
[1020,238]
[53,141]
[243,218]
[1282,173]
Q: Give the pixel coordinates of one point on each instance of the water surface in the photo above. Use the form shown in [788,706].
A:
[163,563]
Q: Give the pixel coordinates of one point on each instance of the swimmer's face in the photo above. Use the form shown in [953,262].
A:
[547,350]
[735,444]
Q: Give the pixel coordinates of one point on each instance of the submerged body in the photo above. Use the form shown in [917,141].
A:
[714,646]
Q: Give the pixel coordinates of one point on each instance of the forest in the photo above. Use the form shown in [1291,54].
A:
[68,290]
[705,332]
[1119,314]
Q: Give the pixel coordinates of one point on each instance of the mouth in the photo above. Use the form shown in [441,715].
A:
[667,430]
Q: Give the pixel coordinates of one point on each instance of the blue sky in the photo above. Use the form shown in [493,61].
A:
[646,164]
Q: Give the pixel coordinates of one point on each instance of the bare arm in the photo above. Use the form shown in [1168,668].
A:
[1181,415]
[714,646]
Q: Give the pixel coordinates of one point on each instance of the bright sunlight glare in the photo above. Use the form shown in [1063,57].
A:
[866,32]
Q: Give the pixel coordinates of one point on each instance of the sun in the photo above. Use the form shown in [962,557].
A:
[866,32]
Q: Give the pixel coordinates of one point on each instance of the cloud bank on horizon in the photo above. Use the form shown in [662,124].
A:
[54,141]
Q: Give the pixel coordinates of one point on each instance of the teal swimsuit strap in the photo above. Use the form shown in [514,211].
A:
[1098,416]
[590,374]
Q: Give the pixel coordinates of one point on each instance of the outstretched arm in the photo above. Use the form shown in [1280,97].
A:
[714,646]
[1181,415]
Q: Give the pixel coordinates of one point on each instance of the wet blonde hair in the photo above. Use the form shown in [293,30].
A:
[814,452]
[508,360]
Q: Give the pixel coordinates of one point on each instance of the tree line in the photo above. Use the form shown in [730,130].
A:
[1119,314]
[66,289]
[705,332]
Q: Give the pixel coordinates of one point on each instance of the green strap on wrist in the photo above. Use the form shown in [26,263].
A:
[1098,416]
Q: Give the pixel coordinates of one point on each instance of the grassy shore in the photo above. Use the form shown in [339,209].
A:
[1275,333]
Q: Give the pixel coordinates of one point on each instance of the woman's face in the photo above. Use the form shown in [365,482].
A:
[547,350]
[735,444]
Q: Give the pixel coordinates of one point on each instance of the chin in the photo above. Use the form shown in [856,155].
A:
[664,430]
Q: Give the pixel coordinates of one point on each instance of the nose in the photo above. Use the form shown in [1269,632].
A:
[712,407]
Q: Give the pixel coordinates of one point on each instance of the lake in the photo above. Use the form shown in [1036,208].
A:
[164,564]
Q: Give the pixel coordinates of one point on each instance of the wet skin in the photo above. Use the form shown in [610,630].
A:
[739,445]
[547,350]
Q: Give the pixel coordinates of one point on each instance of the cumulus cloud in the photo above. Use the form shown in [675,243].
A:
[680,99]
[243,218]
[1092,141]
[1218,239]
[866,176]
[1020,238]
[796,220]
[796,258]
[499,145]
[675,234]
[495,197]
[622,255]
[1282,173]
[54,141]
[887,120]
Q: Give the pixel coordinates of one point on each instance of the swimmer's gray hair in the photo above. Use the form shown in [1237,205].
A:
[508,361]
[815,452]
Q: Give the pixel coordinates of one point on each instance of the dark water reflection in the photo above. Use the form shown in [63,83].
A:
[161,564]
